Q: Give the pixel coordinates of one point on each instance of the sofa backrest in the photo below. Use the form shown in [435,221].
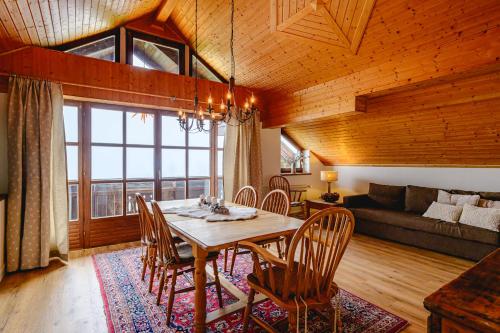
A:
[412,198]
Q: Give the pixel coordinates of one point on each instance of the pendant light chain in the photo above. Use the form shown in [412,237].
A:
[233,65]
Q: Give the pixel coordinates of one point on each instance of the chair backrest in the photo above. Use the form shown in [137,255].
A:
[276,201]
[146,222]
[246,196]
[167,251]
[315,253]
[279,183]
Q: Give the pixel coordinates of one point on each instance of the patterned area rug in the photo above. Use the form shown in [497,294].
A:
[129,307]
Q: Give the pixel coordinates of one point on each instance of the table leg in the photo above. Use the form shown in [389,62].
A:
[200,294]
[308,210]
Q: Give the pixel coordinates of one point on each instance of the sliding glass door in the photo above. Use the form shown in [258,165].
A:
[121,151]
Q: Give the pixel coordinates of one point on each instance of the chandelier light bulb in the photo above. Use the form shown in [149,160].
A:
[252,99]
[228,96]
[246,105]
[222,106]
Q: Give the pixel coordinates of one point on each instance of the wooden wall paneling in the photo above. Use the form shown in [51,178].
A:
[451,124]
[96,79]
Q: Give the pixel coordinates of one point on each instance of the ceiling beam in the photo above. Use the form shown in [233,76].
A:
[164,10]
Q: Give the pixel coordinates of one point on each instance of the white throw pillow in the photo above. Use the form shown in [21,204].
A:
[440,211]
[457,199]
[487,218]
[444,197]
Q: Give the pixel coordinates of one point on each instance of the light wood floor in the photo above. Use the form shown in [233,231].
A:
[67,298]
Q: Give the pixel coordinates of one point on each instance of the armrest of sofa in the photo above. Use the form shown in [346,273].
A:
[358,201]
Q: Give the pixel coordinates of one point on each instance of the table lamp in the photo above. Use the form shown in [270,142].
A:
[329,177]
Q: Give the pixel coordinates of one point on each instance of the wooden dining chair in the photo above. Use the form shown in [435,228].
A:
[281,183]
[148,239]
[246,196]
[304,280]
[180,259]
[277,202]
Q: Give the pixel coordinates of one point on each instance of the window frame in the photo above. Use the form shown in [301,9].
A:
[87,40]
[285,171]
[99,231]
[129,46]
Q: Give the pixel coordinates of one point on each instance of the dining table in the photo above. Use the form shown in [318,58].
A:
[206,236]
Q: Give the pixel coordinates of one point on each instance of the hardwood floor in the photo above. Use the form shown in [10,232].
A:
[67,298]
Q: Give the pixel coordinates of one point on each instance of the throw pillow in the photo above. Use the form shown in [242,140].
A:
[388,196]
[484,203]
[444,197]
[418,199]
[457,199]
[440,211]
[487,218]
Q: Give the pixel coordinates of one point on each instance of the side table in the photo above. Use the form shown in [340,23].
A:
[320,204]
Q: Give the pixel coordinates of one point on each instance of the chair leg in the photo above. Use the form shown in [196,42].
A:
[171,296]
[278,247]
[233,259]
[248,310]
[162,284]
[226,254]
[292,321]
[217,283]
[145,263]
[153,268]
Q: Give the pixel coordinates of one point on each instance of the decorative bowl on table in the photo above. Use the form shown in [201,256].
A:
[330,197]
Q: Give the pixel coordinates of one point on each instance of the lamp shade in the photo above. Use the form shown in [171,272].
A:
[329,176]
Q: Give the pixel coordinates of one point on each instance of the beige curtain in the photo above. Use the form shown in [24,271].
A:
[37,213]
[242,157]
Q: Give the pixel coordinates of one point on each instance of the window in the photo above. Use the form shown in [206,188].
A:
[154,53]
[204,72]
[122,161]
[103,46]
[185,161]
[72,133]
[293,159]
[126,146]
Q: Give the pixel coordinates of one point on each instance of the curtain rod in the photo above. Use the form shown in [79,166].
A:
[171,98]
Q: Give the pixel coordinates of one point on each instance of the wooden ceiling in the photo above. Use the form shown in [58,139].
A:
[54,22]
[386,44]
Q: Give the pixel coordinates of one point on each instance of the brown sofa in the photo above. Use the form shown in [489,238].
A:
[395,213]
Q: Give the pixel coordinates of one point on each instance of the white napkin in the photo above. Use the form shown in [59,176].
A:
[235,214]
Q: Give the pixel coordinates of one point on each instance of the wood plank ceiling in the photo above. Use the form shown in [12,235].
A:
[54,22]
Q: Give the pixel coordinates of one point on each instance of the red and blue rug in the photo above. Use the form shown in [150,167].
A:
[129,307]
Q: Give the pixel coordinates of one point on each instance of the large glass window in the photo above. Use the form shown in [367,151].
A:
[122,160]
[127,151]
[197,66]
[185,161]
[104,48]
[155,53]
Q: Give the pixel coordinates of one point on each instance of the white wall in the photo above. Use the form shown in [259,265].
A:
[3,143]
[271,159]
[355,179]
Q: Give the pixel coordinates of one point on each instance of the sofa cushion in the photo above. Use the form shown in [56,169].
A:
[495,196]
[488,218]
[418,199]
[415,222]
[448,213]
[457,199]
[387,196]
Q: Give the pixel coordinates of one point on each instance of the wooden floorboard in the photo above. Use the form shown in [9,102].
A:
[67,298]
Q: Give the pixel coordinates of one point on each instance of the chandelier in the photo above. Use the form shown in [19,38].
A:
[196,122]
[227,110]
